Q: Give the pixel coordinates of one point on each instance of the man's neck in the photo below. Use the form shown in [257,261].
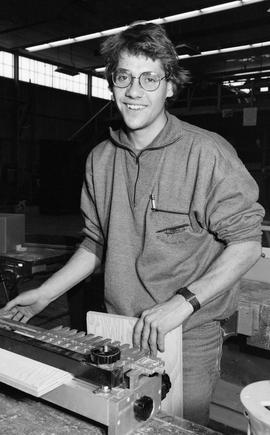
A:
[141,139]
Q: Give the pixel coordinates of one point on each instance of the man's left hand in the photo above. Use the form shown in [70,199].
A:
[156,322]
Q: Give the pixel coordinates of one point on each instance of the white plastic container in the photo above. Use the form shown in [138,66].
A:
[255,398]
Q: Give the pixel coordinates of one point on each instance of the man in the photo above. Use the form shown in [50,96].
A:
[170,211]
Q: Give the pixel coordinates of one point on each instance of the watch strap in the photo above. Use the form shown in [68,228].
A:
[189,297]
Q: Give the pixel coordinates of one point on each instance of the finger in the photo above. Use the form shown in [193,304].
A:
[4,313]
[25,319]
[18,316]
[153,341]
[8,314]
[11,304]
[137,333]
[26,314]
[145,334]
[160,341]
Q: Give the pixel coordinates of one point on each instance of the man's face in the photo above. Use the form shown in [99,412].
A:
[142,110]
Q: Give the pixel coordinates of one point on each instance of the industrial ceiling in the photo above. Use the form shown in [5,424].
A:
[25,23]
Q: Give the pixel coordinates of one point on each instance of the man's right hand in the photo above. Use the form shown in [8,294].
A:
[32,302]
[25,306]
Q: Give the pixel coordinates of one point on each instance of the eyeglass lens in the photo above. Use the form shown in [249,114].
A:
[148,80]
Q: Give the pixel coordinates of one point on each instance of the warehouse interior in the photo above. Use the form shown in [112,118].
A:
[55,108]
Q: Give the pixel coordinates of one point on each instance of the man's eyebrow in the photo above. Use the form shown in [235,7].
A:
[122,69]
[143,72]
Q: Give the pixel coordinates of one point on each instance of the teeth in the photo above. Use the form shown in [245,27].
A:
[135,107]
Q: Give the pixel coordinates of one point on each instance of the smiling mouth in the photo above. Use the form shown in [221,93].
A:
[135,107]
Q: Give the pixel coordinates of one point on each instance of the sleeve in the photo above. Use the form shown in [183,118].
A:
[93,235]
[232,212]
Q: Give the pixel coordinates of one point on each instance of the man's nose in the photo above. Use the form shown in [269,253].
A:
[134,89]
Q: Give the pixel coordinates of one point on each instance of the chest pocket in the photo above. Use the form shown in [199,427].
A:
[174,226]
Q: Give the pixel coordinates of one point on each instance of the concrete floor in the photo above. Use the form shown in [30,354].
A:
[243,364]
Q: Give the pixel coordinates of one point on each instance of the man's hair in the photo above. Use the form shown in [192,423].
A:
[149,40]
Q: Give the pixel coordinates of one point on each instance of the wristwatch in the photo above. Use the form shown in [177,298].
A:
[189,297]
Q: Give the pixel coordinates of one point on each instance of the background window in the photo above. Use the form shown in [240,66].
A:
[44,74]
[100,88]
[6,64]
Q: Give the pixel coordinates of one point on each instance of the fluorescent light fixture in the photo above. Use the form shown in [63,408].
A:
[253,72]
[41,47]
[58,43]
[169,19]
[185,56]
[245,90]
[222,7]
[84,37]
[101,69]
[240,83]
[226,50]
[236,48]
[248,2]
[177,17]
[110,32]
[234,83]
[261,44]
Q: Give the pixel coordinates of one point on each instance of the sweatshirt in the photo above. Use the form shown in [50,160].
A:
[159,217]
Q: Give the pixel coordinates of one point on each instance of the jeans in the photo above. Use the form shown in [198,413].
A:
[202,350]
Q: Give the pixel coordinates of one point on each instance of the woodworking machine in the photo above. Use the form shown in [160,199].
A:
[112,383]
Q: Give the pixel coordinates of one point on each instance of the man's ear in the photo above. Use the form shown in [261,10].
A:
[169,89]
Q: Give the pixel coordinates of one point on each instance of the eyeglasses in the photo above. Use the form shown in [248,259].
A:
[148,80]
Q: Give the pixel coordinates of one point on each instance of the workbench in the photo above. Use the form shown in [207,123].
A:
[24,414]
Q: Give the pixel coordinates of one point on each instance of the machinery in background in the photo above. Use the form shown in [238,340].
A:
[20,260]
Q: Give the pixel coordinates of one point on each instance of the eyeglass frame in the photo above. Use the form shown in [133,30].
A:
[132,78]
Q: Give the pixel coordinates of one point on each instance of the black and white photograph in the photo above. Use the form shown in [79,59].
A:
[134,217]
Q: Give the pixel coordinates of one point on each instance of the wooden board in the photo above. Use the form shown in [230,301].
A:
[120,328]
[28,375]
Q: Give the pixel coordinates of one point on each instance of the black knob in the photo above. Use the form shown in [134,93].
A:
[165,385]
[105,354]
[143,408]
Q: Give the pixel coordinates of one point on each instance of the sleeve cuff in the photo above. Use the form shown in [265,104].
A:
[92,246]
